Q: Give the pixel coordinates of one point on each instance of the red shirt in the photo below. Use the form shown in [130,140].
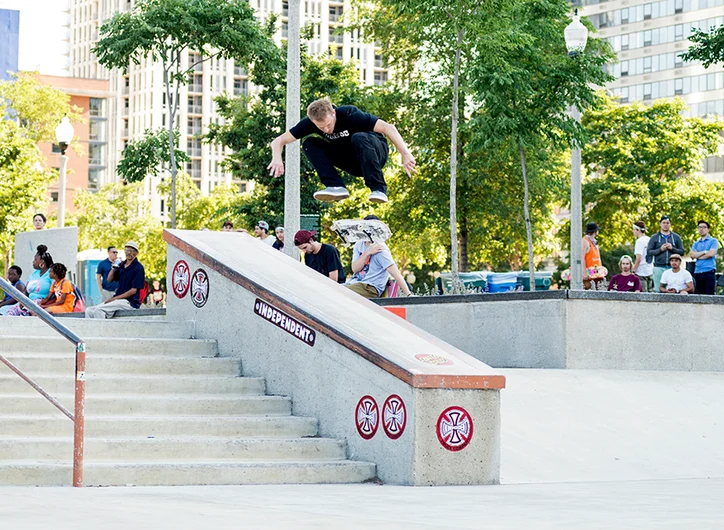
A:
[623,283]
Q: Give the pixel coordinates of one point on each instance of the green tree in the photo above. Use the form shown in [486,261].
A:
[23,184]
[707,47]
[37,107]
[197,211]
[117,213]
[645,162]
[165,30]
[149,155]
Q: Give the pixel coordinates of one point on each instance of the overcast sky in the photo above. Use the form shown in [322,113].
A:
[41,34]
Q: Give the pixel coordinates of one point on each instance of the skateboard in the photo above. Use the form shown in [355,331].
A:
[353,230]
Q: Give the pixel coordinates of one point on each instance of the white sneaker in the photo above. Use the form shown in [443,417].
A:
[378,197]
[331,194]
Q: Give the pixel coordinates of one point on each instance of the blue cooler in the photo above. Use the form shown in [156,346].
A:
[501,282]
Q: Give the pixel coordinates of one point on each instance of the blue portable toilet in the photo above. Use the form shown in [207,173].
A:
[88,261]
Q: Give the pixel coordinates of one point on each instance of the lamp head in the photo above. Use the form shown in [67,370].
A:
[64,134]
[576,35]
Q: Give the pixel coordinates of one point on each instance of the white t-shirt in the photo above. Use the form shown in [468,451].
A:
[269,240]
[676,280]
[645,269]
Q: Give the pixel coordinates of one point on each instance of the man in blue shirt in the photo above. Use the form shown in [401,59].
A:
[131,278]
[14,274]
[704,252]
[106,288]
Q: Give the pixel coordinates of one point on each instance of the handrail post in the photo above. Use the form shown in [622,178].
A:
[79,423]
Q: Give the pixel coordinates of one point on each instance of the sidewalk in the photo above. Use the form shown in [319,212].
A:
[661,504]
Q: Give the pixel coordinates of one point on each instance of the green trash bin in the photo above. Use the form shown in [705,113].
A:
[542,280]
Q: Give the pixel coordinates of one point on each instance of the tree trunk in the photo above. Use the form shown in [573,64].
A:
[457,287]
[464,244]
[171,112]
[526,213]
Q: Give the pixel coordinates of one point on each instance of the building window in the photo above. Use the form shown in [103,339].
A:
[96,107]
[647,11]
[679,32]
[95,154]
[380,78]
[56,148]
[678,87]
[241,87]
[624,42]
[95,176]
[624,68]
[194,126]
[96,131]
[54,196]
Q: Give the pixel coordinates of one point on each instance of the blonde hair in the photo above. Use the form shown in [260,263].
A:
[623,258]
[320,109]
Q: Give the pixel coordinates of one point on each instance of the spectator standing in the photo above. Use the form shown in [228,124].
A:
[321,257]
[14,275]
[641,267]
[704,252]
[131,278]
[676,280]
[261,230]
[61,298]
[279,243]
[626,281]
[39,283]
[662,246]
[591,258]
[39,221]
[106,288]
[157,295]
[228,226]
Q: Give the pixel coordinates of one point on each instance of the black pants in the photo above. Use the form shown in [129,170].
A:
[705,282]
[366,158]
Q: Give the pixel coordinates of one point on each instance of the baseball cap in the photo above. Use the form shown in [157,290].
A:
[303,236]
[263,224]
[675,256]
[371,218]
[665,218]
[132,244]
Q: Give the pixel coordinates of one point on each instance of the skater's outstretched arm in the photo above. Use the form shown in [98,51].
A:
[389,130]
[276,168]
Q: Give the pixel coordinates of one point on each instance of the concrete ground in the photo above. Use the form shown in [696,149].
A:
[658,504]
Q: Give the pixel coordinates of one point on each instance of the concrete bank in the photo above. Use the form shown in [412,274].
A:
[577,329]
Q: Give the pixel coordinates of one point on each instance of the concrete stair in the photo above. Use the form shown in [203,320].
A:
[161,409]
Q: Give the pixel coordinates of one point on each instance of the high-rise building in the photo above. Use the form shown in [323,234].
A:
[9,32]
[648,38]
[138,101]
[88,167]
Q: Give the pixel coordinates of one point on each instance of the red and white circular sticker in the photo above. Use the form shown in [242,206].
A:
[394,416]
[181,279]
[367,417]
[454,428]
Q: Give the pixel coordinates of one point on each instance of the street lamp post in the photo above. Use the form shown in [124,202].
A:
[64,135]
[291,179]
[576,35]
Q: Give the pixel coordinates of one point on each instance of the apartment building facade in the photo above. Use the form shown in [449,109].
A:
[138,99]
[649,38]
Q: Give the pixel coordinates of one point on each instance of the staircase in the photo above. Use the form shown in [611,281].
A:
[161,409]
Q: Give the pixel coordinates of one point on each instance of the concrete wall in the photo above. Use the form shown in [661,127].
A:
[328,379]
[62,244]
[586,330]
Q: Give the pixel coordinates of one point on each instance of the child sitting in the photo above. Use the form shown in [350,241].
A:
[61,298]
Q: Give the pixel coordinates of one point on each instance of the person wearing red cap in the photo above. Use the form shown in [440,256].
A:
[321,257]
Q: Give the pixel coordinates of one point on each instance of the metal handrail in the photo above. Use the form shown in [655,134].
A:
[78,418]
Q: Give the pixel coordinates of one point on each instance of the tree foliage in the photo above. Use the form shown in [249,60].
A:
[645,162]
[707,47]
[149,155]
[38,108]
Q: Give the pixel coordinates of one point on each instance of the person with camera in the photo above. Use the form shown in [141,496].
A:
[131,277]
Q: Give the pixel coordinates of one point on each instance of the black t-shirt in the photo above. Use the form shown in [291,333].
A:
[350,120]
[326,261]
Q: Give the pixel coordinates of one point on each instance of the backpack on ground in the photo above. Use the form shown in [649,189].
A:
[143,293]
[79,306]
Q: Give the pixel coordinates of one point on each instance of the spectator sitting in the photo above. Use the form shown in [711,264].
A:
[676,280]
[131,278]
[228,226]
[61,298]
[14,275]
[372,265]
[106,288]
[39,221]
[279,243]
[38,285]
[626,281]
[262,232]
[321,257]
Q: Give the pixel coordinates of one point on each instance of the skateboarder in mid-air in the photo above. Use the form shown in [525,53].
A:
[347,138]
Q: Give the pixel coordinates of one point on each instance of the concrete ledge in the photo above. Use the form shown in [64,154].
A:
[577,329]
[123,313]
